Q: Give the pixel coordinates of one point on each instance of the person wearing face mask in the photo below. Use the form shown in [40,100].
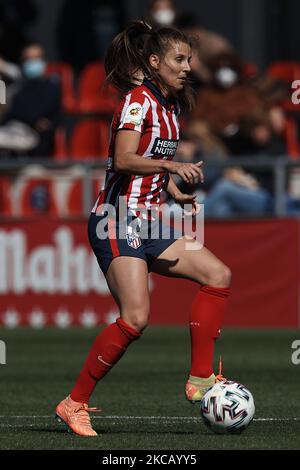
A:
[227,98]
[30,121]
[162,13]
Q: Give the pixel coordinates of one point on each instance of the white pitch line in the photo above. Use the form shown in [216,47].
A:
[276,419]
[165,418]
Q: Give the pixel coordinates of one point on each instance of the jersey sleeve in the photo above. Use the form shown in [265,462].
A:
[134,112]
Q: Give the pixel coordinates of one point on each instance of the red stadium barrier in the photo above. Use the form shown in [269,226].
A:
[49,276]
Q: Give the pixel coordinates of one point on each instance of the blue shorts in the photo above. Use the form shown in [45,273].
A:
[132,239]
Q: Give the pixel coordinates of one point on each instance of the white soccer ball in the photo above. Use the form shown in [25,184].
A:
[227,407]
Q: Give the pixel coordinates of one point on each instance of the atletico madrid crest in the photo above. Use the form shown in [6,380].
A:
[134,241]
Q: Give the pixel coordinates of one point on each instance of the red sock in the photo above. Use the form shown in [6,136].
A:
[108,348]
[205,322]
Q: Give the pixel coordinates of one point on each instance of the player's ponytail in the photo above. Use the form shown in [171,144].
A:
[125,58]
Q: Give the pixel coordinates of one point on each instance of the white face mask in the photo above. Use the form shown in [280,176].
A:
[164,17]
[226,77]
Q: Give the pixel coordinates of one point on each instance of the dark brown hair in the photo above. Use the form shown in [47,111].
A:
[130,51]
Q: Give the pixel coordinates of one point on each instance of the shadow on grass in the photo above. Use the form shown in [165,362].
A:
[105,431]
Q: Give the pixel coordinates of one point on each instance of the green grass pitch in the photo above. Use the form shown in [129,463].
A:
[143,397]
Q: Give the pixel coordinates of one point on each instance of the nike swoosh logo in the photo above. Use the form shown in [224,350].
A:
[106,363]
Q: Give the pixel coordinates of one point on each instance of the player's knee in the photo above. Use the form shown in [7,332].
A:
[137,318]
[219,277]
[140,322]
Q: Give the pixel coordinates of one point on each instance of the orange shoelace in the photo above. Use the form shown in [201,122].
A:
[220,377]
[86,408]
[83,416]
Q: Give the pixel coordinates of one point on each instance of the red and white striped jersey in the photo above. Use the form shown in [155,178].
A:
[146,110]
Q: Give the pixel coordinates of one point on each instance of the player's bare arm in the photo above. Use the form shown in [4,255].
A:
[126,160]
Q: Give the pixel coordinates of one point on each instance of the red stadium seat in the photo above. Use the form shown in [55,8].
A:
[5,196]
[37,198]
[90,139]
[288,72]
[65,73]
[60,144]
[292,138]
[93,95]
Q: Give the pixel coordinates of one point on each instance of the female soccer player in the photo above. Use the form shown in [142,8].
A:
[144,126]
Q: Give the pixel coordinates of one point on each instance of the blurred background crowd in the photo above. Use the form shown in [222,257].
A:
[57,110]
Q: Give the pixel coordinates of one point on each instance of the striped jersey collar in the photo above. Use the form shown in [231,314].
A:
[166,102]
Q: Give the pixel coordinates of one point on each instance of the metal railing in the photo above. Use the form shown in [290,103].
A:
[279,166]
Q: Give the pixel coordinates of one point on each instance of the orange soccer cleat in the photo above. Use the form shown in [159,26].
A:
[76,416]
[196,387]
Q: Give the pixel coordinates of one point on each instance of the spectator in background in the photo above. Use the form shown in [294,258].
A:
[237,193]
[30,121]
[227,97]
[207,45]
[260,132]
[234,116]
[233,113]
[225,193]
[162,13]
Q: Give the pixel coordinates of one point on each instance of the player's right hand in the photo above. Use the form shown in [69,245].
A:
[190,172]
